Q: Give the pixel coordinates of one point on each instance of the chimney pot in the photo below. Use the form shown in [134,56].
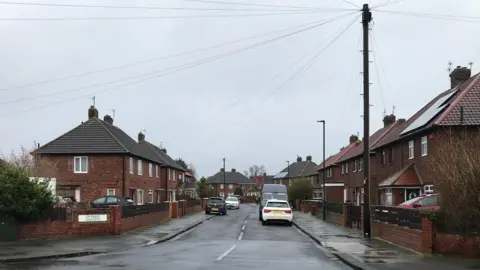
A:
[141,137]
[233,170]
[107,118]
[92,112]
[299,159]
[309,158]
[389,119]
[353,138]
[459,75]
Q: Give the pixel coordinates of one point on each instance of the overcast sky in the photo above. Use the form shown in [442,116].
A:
[233,107]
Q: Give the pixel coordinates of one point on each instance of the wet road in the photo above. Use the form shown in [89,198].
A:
[235,241]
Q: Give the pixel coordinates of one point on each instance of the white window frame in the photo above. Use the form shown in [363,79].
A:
[411,149]
[139,198]
[132,165]
[150,169]
[109,193]
[230,186]
[360,165]
[346,167]
[150,196]
[383,158]
[156,170]
[424,146]
[80,158]
[343,168]
[221,185]
[139,167]
[355,166]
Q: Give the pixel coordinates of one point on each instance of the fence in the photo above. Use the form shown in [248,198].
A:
[403,217]
[334,207]
[354,216]
[137,210]
[192,203]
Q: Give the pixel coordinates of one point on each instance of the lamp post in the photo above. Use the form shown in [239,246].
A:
[224,182]
[324,190]
[288,171]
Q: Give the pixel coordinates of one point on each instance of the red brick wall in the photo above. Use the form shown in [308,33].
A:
[334,194]
[144,181]
[457,245]
[335,218]
[63,229]
[133,223]
[403,236]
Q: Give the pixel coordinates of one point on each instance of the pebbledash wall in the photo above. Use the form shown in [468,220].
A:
[425,240]
[111,222]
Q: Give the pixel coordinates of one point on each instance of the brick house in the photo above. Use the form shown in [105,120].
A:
[97,158]
[190,185]
[403,163]
[297,170]
[233,180]
[334,178]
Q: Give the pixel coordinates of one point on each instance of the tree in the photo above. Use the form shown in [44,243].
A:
[23,199]
[300,189]
[238,191]
[203,189]
[182,163]
[255,170]
[191,168]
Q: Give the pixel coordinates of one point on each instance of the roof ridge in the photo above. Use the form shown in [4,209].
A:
[63,135]
[457,100]
[383,134]
[111,134]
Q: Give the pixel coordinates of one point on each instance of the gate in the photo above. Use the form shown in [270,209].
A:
[8,229]
[354,216]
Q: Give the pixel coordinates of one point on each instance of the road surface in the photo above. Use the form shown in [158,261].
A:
[235,241]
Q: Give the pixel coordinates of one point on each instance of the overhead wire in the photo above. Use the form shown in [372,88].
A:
[449,17]
[350,3]
[387,3]
[160,57]
[165,71]
[380,64]
[377,73]
[256,5]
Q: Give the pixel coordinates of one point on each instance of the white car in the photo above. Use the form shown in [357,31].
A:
[277,210]
[232,203]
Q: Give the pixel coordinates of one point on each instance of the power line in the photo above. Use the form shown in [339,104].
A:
[158,17]
[387,3]
[435,16]
[380,66]
[170,70]
[377,72]
[150,7]
[256,5]
[350,3]
[161,57]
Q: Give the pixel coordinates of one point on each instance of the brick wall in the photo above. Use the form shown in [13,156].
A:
[334,194]
[132,223]
[399,235]
[457,245]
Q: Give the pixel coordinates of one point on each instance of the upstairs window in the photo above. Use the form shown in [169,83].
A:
[355,166]
[150,169]
[80,164]
[343,168]
[360,168]
[390,155]
[131,165]
[346,168]
[139,169]
[424,146]
[156,171]
[382,158]
[411,150]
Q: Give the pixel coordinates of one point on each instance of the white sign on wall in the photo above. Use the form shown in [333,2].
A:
[92,218]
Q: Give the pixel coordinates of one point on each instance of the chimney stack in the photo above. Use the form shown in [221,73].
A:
[309,158]
[459,75]
[233,170]
[299,159]
[164,150]
[264,174]
[107,118]
[92,112]
[222,170]
[389,119]
[141,137]
[353,138]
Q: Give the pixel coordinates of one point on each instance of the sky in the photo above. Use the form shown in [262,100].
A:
[251,87]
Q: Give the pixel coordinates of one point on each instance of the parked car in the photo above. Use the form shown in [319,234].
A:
[216,205]
[107,201]
[277,210]
[423,202]
[61,202]
[232,203]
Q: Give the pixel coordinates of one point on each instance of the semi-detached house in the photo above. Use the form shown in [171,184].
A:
[97,158]
[225,183]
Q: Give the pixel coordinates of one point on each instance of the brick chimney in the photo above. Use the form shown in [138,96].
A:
[353,138]
[164,150]
[233,170]
[92,112]
[309,158]
[389,119]
[299,159]
[222,170]
[107,118]
[458,75]
[141,137]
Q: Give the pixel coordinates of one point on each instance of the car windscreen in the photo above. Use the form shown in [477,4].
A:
[232,199]
[411,201]
[215,200]
[277,196]
[277,205]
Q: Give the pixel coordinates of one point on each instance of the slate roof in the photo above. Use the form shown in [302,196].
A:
[268,179]
[298,169]
[230,178]
[333,159]
[159,154]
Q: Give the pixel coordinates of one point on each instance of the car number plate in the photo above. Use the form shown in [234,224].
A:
[277,211]
[214,209]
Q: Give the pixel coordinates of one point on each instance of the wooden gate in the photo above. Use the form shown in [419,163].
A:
[8,229]
[354,216]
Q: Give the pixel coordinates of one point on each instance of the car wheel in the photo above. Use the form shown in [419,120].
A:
[264,223]
[260,217]
[207,213]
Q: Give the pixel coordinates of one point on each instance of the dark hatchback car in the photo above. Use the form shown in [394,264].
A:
[107,201]
[216,205]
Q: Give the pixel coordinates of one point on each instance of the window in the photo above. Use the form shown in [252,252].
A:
[110,192]
[346,168]
[221,194]
[343,168]
[424,146]
[139,196]
[382,158]
[230,186]
[360,168]
[150,169]
[112,200]
[139,169]
[131,165]
[150,196]
[221,185]
[80,164]
[411,149]
[390,155]
[156,171]
[278,205]
[355,166]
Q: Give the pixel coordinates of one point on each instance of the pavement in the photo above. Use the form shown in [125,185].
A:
[66,248]
[234,241]
[353,249]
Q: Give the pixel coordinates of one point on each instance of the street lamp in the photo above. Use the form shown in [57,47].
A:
[288,171]
[324,190]
[224,182]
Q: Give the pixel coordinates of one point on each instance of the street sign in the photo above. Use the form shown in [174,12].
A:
[92,218]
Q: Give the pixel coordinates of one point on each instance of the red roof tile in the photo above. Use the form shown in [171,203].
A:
[407,176]
[332,160]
